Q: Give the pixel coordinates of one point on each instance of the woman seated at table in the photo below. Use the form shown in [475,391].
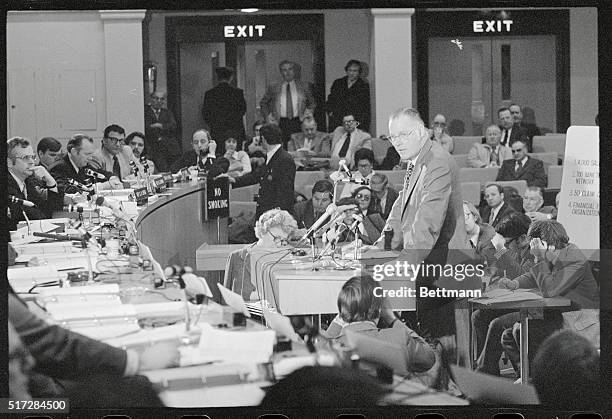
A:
[272,230]
[136,140]
[361,311]
[240,163]
[369,226]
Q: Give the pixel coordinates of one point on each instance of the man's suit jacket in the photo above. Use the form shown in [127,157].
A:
[518,133]
[480,155]
[303,212]
[320,143]
[428,214]
[64,170]
[484,248]
[223,109]
[46,201]
[392,195]
[162,145]
[359,139]
[270,102]
[276,183]
[504,211]
[125,156]
[373,225]
[190,158]
[344,100]
[532,172]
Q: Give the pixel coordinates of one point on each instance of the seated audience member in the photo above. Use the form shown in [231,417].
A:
[298,197]
[523,167]
[361,311]
[49,152]
[383,196]
[369,226]
[510,131]
[533,202]
[560,270]
[365,163]
[116,156]
[323,387]
[566,373]
[306,213]
[29,182]
[512,254]
[276,179]
[525,119]
[346,140]
[496,209]
[438,133]
[66,363]
[75,165]
[239,161]
[350,94]
[309,142]
[273,230]
[479,234]
[202,154]
[490,154]
[391,161]
[256,143]
[136,140]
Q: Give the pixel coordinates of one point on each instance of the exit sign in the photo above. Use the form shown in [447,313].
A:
[243,31]
[491,25]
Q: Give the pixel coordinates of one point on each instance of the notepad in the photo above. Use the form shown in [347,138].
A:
[234,300]
[236,345]
[281,325]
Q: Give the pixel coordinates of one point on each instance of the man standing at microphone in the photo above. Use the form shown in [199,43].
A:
[428,212]
[29,182]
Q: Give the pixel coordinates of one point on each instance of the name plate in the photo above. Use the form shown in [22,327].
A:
[167,177]
[160,184]
[141,196]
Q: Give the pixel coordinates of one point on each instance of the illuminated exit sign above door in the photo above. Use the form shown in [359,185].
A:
[243,31]
[492,25]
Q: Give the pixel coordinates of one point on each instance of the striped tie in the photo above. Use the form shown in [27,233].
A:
[408,174]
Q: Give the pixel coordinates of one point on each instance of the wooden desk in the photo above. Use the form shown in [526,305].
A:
[526,309]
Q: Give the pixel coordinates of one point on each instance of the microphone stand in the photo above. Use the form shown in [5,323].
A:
[27,222]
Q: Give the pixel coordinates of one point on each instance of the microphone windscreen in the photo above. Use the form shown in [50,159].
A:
[99,200]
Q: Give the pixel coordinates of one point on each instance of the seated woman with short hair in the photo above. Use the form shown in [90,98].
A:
[272,230]
[360,311]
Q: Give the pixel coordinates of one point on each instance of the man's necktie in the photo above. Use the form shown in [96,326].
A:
[116,167]
[505,139]
[408,174]
[494,157]
[378,206]
[519,166]
[491,217]
[345,146]
[24,191]
[289,102]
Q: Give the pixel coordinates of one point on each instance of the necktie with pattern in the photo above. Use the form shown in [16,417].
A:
[408,174]
[491,217]
[345,146]
[494,156]
[289,99]
[519,166]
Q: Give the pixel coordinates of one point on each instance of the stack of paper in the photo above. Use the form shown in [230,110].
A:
[23,279]
[240,346]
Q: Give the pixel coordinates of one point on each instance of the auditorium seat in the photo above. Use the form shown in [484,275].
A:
[482,175]
[470,191]
[549,143]
[308,177]
[305,190]
[380,147]
[394,176]
[463,144]
[520,185]
[461,160]
[555,174]
[244,194]
[547,158]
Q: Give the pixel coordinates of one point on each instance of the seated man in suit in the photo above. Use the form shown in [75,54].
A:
[383,196]
[362,310]
[491,154]
[116,155]
[523,167]
[560,270]
[533,202]
[346,140]
[290,101]
[306,213]
[202,155]
[438,133]
[527,123]
[29,182]
[49,152]
[66,361]
[76,165]
[479,234]
[309,142]
[497,209]
[510,131]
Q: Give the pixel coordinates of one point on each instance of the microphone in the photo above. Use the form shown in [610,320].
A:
[331,208]
[58,237]
[342,165]
[358,219]
[80,186]
[145,164]
[117,212]
[92,173]
[134,167]
[23,202]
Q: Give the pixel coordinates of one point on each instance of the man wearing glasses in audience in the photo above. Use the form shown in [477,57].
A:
[116,155]
[346,140]
[523,167]
[383,196]
[491,154]
[362,176]
[30,182]
[438,133]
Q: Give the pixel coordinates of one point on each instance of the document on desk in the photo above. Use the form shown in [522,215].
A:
[505,295]
[234,300]
[240,346]
[23,279]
